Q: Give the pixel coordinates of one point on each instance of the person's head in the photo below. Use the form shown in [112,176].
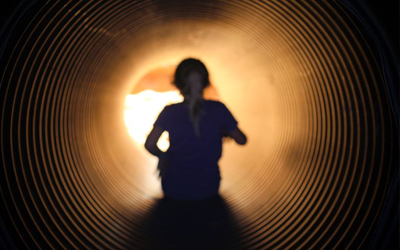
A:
[191,77]
[191,74]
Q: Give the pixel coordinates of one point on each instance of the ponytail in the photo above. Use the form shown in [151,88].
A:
[191,77]
[195,102]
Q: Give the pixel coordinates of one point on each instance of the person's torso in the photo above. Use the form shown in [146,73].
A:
[188,149]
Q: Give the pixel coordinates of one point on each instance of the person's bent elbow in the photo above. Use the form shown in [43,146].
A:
[148,146]
[242,140]
[239,137]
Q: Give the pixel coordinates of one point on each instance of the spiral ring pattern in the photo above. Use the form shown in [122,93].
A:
[303,78]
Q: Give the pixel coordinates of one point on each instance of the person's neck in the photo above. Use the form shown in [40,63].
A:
[185,100]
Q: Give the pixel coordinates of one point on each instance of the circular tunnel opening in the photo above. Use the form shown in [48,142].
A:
[306,81]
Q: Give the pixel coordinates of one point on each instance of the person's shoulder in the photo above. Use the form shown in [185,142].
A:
[216,104]
[172,106]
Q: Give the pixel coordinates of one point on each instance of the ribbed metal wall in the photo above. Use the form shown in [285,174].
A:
[304,79]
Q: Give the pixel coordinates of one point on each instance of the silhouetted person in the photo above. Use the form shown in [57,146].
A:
[189,169]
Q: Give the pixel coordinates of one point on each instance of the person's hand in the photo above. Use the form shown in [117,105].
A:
[162,165]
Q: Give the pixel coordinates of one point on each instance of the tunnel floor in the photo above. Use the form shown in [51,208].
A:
[205,224]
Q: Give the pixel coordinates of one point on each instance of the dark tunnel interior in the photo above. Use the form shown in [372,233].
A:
[313,83]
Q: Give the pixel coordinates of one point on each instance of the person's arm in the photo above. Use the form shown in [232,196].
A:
[239,137]
[151,146]
[152,139]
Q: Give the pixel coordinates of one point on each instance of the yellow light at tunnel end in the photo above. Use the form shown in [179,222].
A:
[142,110]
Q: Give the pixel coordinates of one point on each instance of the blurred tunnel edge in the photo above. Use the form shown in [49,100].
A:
[321,171]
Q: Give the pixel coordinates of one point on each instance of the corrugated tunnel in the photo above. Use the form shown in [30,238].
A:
[309,82]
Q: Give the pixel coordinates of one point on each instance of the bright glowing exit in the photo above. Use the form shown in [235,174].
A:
[142,110]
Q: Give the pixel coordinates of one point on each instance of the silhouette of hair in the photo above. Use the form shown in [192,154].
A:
[191,87]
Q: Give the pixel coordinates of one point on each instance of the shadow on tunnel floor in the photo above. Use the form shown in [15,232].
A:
[206,224]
